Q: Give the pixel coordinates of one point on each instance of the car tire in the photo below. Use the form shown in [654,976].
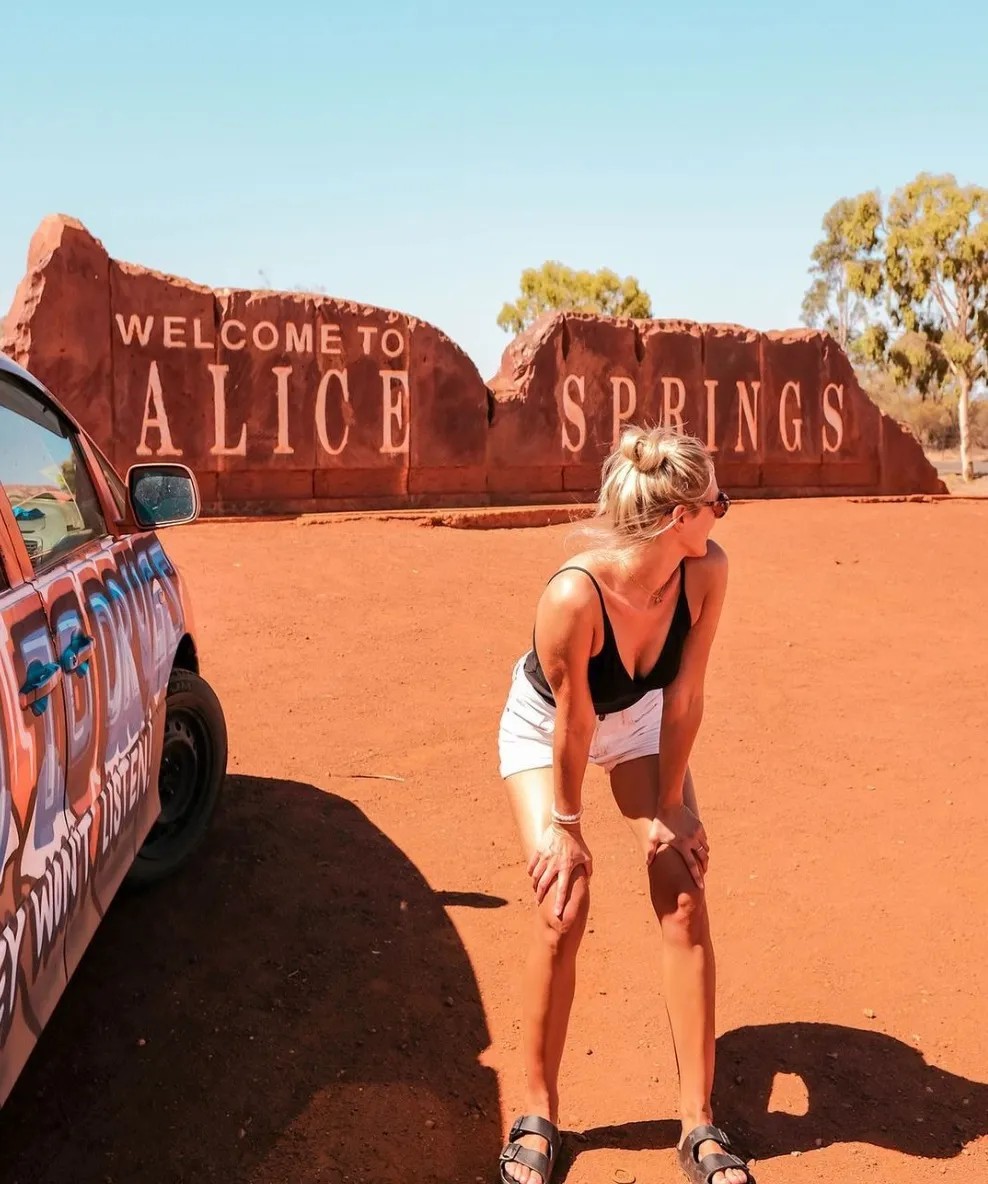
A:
[193,767]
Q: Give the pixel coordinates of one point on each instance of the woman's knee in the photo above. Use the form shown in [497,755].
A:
[687,923]
[566,930]
[680,905]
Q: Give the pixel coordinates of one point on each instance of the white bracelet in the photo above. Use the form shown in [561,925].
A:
[566,819]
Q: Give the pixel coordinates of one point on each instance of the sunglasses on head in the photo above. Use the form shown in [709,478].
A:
[720,505]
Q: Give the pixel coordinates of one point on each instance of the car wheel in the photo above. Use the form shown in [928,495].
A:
[193,766]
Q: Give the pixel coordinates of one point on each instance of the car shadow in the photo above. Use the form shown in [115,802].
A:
[783,1088]
[294,1005]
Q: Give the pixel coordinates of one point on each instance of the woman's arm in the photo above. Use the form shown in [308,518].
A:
[564,640]
[682,700]
[675,825]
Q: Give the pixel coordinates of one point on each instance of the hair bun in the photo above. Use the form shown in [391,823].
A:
[646,450]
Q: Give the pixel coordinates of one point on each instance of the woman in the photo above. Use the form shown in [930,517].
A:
[615,677]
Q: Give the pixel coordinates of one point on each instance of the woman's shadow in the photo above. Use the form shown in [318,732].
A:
[791,1087]
[296,1004]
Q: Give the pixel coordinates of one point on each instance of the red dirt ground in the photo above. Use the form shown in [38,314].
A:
[330,993]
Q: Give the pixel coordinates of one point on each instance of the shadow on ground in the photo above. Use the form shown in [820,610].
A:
[860,1087]
[854,1086]
[296,1005]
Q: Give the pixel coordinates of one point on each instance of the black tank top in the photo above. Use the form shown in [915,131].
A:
[612,688]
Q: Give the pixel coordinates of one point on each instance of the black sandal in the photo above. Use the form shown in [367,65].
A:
[536,1161]
[702,1171]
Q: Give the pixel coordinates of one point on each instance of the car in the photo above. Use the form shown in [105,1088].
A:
[113,747]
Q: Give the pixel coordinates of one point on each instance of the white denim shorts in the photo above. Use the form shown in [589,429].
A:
[525,734]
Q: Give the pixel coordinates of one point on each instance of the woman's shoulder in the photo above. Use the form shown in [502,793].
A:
[573,584]
[709,570]
[715,557]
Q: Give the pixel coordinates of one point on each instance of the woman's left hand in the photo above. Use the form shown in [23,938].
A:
[679,827]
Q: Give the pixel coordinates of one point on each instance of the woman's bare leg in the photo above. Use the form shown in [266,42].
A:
[688,968]
[549,980]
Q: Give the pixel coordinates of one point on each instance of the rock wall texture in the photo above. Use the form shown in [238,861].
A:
[283,402]
[782,412]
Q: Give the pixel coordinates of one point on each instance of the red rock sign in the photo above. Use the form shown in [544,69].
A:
[782,412]
[276,401]
[282,401]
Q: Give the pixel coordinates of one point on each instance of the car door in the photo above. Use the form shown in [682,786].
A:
[40,864]
[108,611]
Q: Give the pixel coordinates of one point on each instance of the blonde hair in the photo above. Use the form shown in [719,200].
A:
[649,473]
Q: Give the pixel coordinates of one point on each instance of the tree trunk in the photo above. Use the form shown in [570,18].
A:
[964,423]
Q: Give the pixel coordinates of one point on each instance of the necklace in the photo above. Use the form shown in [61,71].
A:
[654,597]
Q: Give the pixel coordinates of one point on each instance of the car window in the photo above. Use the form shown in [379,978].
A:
[45,478]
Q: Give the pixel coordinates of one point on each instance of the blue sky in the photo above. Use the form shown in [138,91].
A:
[419,155]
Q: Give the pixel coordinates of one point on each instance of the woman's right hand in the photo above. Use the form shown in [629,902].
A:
[560,852]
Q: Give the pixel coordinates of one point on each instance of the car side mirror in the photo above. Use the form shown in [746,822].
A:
[162,495]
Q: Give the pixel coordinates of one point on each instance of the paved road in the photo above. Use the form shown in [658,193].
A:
[952,468]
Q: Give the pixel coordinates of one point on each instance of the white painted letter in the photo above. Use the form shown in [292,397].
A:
[367,331]
[330,341]
[833,416]
[321,410]
[619,413]
[134,326]
[225,336]
[282,374]
[159,420]
[173,326]
[397,351]
[299,342]
[197,340]
[272,333]
[791,388]
[670,412]
[711,385]
[12,937]
[747,413]
[573,412]
[394,409]
[219,447]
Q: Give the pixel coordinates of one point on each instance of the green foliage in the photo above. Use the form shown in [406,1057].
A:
[936,423]
[555,287]
[906,290]
[932,415]
[936,279]
[846,269]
